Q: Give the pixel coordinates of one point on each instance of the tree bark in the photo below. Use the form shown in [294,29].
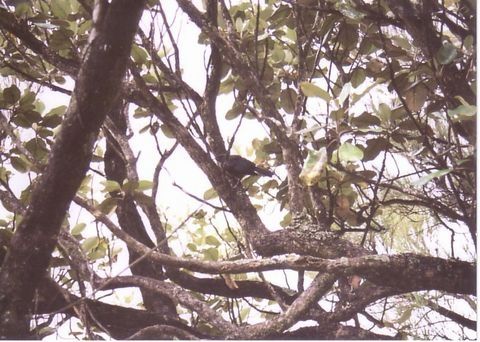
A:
[97,87]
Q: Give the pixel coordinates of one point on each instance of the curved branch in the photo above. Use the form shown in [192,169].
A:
[408,272]
[180,296]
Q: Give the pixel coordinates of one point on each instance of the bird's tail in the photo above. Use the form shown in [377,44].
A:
[263,172]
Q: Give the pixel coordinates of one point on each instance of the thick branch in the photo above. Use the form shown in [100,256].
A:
[180,296]
[36,236]
[119,321]
[409,272]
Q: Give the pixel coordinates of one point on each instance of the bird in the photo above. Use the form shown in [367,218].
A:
[240,167]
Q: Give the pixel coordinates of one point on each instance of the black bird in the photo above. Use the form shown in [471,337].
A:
[240,167]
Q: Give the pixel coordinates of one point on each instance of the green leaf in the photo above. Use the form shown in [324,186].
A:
[139,54]
[110,186]
[200,214]
[144,185]
[398,113]
[46,331]
[99,251]
[374,67]
[85,185]
[358,76]
[244,313]
[20,164]
[37,148]
[349,153]
[60,40]
[311,90]
[235,111]
[384,112]
[116,250]
[374,147]
[4,174]
[446,54]
[150,78]
[51,121]
[357,97]
[405,315]
[61,23]
[402,42]
[337,115]
[60,110]
[210,194]
[348,36]
[344,94]
[226,86]
[31,115]
[44,133]
[22,8]
[142,198]
[365,120]
[277,55]
[463,110]
[60,8]
[416,97]
[27,99]
[141,113]
[436,174]
[11,94]
[279,17]
[130,185]
[108,205]
[212,241]
[349,11]
[54,117]
[314,166]
[248,183]
[288,99]
[312,129]
[59,79]
[90,243]
[192,247]
[78,229]
[167,132]
[211,254]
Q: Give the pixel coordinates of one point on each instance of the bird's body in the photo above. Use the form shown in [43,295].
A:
[240,167]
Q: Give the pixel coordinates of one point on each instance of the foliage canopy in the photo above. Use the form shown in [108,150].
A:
[114,116]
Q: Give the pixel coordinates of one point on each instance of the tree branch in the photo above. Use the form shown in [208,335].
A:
[35,238]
